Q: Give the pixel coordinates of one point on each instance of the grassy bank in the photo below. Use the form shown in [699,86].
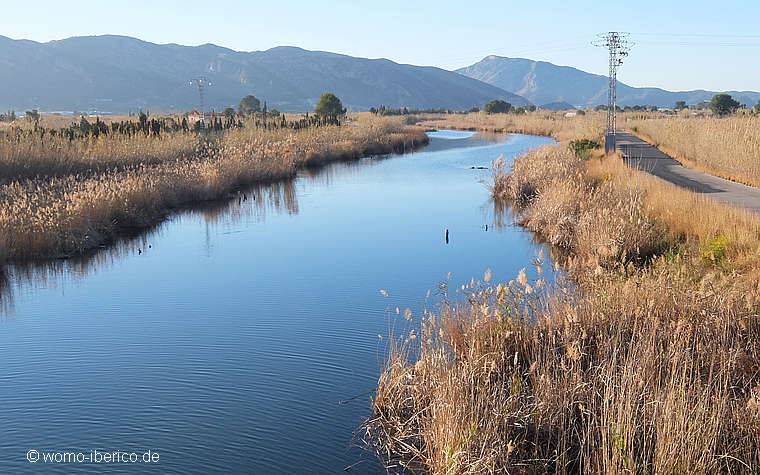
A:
[63,197]
[646,359]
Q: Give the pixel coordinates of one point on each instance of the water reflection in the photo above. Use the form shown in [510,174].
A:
[248,206]
[6,295]
[506,215]
[226,336]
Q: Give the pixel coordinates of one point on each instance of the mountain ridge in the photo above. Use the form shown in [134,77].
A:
[543,82]
[120,73]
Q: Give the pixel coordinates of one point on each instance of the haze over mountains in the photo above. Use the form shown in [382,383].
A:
[542,82]
[118,74]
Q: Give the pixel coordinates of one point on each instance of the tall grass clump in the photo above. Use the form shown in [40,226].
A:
[650,375]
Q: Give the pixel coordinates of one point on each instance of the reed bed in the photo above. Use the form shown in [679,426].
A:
[647,360]
[551,124]
[60,198]
[29,154]
[727,147]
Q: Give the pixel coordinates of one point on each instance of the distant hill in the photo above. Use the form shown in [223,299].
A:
[542,82]
[117,74]
[557,106]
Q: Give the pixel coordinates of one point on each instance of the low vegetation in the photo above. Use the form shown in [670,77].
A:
[642,355]
[62,195]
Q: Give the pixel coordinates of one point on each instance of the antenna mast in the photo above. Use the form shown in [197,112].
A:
[618,45]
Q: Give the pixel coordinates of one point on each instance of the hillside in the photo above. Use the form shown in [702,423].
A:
[542,82]
[118,74]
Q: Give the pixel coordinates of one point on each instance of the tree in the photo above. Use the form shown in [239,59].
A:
[229,112]
[498,106]
[757,108]
[143,118]
[329,106]
[248,105]
[680,105]
[84,125]
[33,115]
[723,104]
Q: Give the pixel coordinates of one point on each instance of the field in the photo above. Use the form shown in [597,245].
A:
[642,356]
[61,196]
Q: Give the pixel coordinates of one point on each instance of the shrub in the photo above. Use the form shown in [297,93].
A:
[582,148]
[714,249]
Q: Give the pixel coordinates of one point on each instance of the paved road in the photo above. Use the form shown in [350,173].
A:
[645,157]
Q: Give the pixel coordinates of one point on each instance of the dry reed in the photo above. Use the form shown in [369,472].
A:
[62,198]
[726,147]
[551,124]
[647,362]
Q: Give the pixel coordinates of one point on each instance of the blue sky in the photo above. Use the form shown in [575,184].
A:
[680,44]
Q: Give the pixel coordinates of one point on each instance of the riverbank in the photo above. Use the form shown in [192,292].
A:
[545,123]
[60,197]
[646,360]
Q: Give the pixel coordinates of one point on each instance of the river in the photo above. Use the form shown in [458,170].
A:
[224,339]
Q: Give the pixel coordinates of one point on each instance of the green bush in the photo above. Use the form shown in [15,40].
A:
[582,148]
[714,250]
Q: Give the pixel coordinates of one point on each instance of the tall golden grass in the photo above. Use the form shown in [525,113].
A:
[646,361]
[62,198]
[727,147]
[551,124]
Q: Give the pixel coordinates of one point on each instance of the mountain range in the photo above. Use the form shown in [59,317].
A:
[118,74]
[542,82]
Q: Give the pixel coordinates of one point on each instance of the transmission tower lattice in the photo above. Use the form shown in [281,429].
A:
[201,82]
[618,45]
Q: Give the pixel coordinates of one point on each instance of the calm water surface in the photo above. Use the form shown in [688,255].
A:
[225,338]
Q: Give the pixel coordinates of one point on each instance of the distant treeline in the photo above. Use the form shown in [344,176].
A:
[602,107]
[9,116]
[157,126]
[382,110]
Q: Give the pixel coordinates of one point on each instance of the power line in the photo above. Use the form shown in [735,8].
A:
[618,45]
